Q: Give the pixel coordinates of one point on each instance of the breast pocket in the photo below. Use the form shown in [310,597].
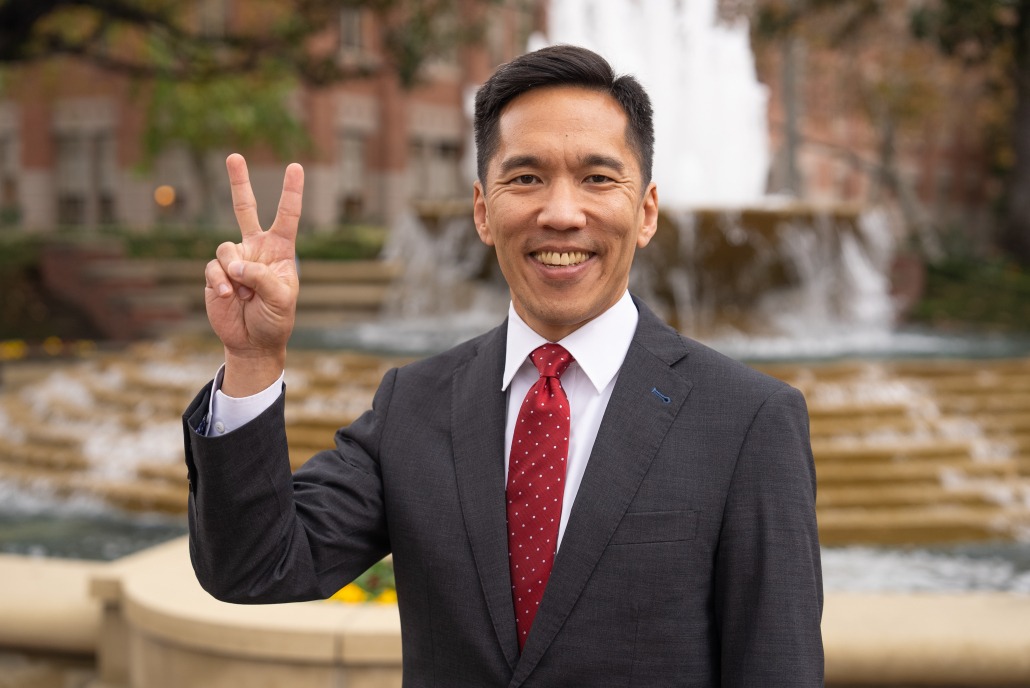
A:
[655,526]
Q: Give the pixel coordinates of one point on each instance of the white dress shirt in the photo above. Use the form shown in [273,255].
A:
[599,347]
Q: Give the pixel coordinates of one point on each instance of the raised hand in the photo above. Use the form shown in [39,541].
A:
[251,287]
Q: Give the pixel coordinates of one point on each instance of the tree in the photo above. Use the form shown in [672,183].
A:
[117,35]
[220,84]
[228,112]
[884,77]
[994,35]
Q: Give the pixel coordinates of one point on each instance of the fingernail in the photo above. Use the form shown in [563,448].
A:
[223,289]
[236,268]
[244,293]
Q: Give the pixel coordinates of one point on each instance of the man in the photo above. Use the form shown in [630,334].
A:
[680,491]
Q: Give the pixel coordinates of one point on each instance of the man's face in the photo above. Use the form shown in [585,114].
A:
[565,207]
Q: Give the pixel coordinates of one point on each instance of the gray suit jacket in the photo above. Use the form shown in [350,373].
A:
[690,558]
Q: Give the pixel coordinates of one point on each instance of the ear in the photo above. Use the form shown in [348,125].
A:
[480,215]
[649,222]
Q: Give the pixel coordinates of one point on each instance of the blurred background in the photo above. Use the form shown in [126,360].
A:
[115,119]
[845,188]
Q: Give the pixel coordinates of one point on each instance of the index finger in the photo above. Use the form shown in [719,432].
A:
[288,215]
[243,202]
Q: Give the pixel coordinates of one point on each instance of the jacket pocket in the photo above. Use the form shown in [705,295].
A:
[655,526]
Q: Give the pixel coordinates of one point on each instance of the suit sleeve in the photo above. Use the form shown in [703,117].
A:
[260,534]
[768,575]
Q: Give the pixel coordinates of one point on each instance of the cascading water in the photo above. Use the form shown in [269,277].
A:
[710,110]
[811,282]
[753,275]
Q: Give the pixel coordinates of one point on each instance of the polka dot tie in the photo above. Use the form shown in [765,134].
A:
[536,482]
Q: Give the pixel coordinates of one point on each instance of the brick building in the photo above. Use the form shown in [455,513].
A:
[70,135]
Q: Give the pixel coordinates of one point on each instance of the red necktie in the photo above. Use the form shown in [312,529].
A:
[536,475]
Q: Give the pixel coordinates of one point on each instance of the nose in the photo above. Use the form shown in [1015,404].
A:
[562,207]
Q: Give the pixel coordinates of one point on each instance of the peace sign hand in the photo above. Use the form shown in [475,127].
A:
[251,287]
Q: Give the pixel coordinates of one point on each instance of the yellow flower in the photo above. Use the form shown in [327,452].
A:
[13,349]
[388,596]
[53,346]
[351,594]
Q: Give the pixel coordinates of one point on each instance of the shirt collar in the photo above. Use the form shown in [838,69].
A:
[599,346]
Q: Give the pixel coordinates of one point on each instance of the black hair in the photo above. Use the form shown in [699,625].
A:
[562,65]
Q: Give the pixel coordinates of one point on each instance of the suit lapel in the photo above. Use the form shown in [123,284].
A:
[646,399]
[478,420]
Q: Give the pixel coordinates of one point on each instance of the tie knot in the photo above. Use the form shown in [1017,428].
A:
[551,360]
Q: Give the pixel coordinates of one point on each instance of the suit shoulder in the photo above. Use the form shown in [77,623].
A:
[698,363]
[709,367]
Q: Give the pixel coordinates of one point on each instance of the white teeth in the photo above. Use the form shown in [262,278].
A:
[555,258]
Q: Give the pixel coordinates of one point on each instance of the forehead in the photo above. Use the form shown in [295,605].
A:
[568,115]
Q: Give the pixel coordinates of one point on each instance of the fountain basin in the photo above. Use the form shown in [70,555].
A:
[897,443]
[150,624]
[712,270]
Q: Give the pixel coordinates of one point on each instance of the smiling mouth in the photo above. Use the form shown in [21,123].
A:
[555,259]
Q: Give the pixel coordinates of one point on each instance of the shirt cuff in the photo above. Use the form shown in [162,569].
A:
[226,413]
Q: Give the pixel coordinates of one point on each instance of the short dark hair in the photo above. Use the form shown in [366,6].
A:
[562,65]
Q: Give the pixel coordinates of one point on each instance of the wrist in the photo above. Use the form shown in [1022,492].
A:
[246,375]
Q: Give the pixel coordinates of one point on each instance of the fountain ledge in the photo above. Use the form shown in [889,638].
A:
[150,624]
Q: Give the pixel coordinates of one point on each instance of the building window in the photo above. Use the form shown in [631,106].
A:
[72,179]
[351,176]
[435,169]
[351,30]
[86,178]
[8,180]
[106,161]
[213,17]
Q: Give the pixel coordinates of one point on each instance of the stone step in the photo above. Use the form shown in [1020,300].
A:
[827,452]
[173,474]
[998,402]
[918,471]
[924,525]
[861,425]
[133,495]
[191,271]
[367,271]
[828,412]
[52,459]
[979,385]
[912,494]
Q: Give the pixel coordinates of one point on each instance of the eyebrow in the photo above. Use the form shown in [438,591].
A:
[597,160]
[519,161]
[592,160]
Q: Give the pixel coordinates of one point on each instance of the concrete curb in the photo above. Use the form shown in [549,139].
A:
[150,624]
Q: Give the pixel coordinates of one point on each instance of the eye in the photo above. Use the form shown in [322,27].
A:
[524,179]
[598,179]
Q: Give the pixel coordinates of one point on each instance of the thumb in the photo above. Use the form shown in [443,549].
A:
[259,278]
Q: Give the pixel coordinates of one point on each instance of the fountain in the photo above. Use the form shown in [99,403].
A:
[710,110]
[749,273]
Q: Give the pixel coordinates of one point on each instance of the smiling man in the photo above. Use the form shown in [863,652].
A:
[580,497]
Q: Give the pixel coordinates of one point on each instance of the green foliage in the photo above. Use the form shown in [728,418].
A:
[968,29]
[826,22]
[27,311]
[377,579]
[349,242]
[284,34]
[963,292]
[232,111]
[18,250]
